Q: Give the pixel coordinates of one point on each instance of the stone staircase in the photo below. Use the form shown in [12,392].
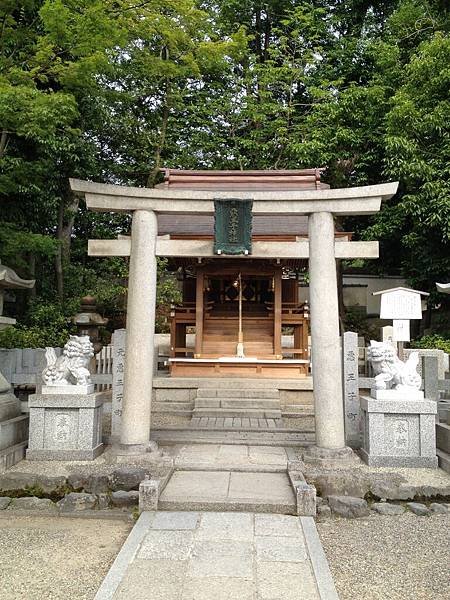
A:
[237,408]
[257,411]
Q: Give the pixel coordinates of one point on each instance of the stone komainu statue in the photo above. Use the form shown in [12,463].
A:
[71,368]
[390,370]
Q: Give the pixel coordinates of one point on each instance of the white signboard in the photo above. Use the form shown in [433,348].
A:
[401,304]
[401,330]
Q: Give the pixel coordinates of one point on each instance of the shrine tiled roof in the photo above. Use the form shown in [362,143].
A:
[298,179]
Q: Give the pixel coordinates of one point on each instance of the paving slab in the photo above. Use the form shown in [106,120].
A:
[204,556]
[232,457]
[228,490]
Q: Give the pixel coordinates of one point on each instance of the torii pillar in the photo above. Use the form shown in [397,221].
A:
[139,348]
[325,342]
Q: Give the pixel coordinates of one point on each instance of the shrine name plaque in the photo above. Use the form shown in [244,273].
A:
[233,226]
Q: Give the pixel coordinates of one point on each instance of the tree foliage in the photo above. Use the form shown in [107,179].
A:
[111,90]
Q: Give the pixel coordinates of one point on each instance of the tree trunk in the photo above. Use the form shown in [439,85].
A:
[340,287]
[3,142]
[67,212]
[162,142]
[32,268]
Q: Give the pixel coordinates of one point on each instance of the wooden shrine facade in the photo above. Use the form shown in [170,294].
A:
[228,297]
[269,301]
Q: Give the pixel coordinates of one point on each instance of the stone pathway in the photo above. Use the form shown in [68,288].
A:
[220,556]
[228,490]
[228,456]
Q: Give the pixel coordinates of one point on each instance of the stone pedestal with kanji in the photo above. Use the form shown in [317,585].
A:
[65,427]
[398,431]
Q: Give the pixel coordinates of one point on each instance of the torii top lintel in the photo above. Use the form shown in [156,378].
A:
[344,201]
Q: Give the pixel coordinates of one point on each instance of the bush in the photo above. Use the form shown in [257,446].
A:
[45,324]
[441,342]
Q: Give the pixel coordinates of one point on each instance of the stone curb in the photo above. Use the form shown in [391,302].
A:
[107,513]
[127,553]
[321,569]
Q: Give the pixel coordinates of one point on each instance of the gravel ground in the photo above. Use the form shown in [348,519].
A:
[389,558]
[57,558]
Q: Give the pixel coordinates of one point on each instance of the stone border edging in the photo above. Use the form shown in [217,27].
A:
[126,554]
[321,569]
[107,513]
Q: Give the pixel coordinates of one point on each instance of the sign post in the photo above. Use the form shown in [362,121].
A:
[401,305]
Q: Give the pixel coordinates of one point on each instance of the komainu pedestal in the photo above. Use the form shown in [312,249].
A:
[398,432]
[65,427]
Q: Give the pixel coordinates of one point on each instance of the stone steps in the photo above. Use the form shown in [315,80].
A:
[231,413]
[255,437]
[242,422]
[209,490]
[240,393]
[237,403]
[233,405]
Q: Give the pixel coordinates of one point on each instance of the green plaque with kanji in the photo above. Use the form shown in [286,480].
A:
[233,226]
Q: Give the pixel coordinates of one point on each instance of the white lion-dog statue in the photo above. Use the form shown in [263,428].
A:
[71,368]
[390,371]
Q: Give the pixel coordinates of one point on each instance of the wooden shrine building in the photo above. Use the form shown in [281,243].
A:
[235,296]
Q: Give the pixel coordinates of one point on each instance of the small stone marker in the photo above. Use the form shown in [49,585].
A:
[351,388]
[387,333]
[118,375]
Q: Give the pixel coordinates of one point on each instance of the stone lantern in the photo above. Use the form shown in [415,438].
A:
[89,321]
[10,280]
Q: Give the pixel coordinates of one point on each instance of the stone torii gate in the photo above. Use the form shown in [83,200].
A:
[321,248]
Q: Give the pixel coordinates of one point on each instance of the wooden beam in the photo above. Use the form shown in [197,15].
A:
[199,293]
[277,305]
[204,249]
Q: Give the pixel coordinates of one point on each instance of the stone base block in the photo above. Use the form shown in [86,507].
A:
[13,431]
[12,455]
[415,462]
[68,389]
[66,427]
[9,407]
[316,455]
[443,437]
[400,394]
[399,433]
[68,455]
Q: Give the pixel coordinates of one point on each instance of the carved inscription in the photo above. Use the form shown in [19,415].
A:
[351,387]
[118,379]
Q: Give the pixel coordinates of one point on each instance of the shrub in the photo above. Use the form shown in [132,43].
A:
[441,342]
